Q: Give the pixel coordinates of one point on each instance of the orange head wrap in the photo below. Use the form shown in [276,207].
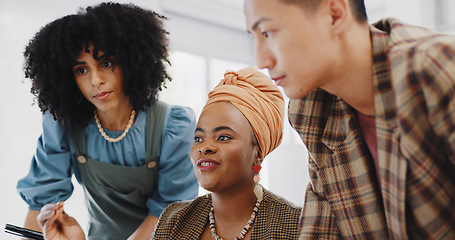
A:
[258,99]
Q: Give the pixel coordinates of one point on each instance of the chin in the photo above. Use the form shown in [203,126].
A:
[292,94]
[207,185]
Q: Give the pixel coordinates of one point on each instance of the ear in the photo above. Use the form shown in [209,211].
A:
[339,11]
[259,158]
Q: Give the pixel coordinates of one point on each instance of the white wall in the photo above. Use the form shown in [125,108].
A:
[433,14]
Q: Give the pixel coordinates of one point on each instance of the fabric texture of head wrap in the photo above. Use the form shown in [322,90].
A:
[258,99]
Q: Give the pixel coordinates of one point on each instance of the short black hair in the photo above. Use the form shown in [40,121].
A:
[134,36]
[358,7]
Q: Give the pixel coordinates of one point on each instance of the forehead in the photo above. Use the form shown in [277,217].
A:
[223,114]
[255,10]
[88,51]
[259,11]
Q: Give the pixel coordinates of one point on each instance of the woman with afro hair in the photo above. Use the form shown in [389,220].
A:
[96,77]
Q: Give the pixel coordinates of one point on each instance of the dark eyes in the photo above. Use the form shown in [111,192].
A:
[223,138]
[81,71]
[220,138]
[107,64]
[265,34]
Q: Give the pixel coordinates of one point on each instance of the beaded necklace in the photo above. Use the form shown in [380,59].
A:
[128,126]
[245,229]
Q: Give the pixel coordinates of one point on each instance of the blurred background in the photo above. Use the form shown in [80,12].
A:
[207,38]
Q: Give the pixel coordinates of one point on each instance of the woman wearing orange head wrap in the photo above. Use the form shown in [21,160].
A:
[241,123]
[260,102]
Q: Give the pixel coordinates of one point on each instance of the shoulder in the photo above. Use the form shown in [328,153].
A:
[176,111]
[402,34]
[308,115]
[280,203]
[180,117]
[182,208]
[53,131]
[411,40]
[50,122]
[420,59]
[277,218]
[174,210]
[183,214]
[179,125]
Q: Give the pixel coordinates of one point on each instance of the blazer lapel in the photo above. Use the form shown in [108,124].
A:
[392,166]
[349,175]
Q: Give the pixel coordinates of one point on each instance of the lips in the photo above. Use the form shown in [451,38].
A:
[102,95]
[278,80]
[207,164]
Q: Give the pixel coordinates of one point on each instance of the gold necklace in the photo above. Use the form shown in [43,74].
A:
[128,126]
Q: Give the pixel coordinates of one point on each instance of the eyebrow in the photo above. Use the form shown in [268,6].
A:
[78,63]
[223,128]
[82,63]
[217,129]
[259,21]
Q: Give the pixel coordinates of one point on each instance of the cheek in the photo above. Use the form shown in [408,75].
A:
[78,82]
[81,84]
[118,77]
[194,154]
[247,160]
[82,87]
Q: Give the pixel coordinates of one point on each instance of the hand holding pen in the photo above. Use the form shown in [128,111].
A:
[57,225]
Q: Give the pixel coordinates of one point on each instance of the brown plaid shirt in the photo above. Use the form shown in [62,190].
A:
[276,219]
[414,85]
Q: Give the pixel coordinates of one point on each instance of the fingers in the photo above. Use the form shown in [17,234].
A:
[49,213]
[59,225]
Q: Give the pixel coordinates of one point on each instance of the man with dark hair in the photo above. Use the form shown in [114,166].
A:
[375,106]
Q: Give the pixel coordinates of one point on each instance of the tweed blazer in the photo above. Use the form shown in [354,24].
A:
[276,219]
[414,93]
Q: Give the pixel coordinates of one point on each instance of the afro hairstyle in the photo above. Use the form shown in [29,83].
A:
[134,36]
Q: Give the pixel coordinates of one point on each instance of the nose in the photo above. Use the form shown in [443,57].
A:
[207,148]
[96,78]
[264,56]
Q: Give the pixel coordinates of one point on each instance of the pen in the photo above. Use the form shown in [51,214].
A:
[23,232]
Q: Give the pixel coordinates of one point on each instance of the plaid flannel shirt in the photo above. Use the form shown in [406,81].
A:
[414,87]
